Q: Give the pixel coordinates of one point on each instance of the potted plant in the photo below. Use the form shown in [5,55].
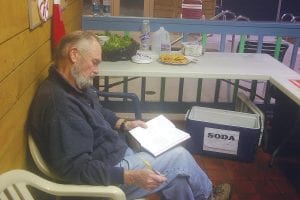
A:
[119,47]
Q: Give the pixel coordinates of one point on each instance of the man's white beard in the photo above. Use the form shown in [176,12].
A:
[82,82]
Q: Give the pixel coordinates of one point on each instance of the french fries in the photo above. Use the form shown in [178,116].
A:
[175,58]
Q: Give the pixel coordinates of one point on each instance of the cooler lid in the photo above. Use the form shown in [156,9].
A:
[224,117]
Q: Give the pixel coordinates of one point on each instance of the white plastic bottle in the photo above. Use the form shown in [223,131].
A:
[96,7]
[106,8]
[145,35]
[161,41]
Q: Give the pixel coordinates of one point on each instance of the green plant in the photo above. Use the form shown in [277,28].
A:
[119,47]
[117,42]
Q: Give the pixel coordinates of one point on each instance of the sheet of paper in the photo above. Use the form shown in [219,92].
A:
[222,141]
[160,135]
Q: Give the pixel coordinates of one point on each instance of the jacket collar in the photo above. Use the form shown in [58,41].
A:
[56,76]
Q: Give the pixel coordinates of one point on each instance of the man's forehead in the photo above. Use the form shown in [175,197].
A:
[96,51]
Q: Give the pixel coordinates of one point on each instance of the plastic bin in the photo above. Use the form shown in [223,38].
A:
[244,104]
[224,133]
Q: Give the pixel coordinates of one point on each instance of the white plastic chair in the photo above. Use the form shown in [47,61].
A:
[39,160]
[13,186]
[43,167]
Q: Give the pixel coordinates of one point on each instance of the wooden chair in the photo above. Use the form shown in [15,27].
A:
[14,186]
[192,9]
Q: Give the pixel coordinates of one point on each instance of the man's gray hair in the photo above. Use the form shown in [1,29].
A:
[81,39]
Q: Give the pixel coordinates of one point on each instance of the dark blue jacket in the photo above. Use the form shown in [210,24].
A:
[75,133]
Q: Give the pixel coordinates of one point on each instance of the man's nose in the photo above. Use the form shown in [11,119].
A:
[96,69]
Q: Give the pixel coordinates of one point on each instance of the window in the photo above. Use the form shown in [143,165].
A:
[132,8]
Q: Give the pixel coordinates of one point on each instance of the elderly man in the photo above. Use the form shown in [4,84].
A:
[80,141]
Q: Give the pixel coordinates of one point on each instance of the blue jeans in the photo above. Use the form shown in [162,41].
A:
[185,179]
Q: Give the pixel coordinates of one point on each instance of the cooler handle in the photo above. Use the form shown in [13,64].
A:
[187,114]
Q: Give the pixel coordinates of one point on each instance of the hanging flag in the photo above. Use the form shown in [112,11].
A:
[58,27]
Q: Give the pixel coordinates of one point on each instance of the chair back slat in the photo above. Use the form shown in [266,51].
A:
[13,193]
[3,196]
[223,42]
[277,47]
[260,41]
[204,41]
[23,191]
[241,48]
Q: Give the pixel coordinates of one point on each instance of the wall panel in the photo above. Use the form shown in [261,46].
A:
[13,140]
[25,56]
[14,18]
[15,50]
[16,83]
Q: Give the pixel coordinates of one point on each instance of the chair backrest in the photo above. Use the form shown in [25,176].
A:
[191,9]
[134,98]
[13,186]
[267,47]
[39,160]
[108,191]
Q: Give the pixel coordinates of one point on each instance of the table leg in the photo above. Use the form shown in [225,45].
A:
[295,129]
[96,82]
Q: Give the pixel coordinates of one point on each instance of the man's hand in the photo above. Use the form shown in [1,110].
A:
[144,178]
[133,124]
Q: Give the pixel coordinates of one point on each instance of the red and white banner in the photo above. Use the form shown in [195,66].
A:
[58,27]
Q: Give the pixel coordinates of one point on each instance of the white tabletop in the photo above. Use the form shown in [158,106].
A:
[288,88]
[211,65]
[215,65]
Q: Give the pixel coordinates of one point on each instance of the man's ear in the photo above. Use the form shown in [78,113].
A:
[73,55]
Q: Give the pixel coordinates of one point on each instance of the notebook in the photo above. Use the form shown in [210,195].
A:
[160,136]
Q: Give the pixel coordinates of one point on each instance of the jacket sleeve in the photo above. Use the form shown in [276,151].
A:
[71,146]
[109,116]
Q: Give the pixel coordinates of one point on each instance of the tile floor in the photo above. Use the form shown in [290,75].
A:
[250,181]
[255,180]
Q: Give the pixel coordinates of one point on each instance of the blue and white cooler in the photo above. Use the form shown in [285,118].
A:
[223,133]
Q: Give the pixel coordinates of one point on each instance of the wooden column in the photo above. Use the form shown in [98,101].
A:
[115,7]
[167,8]
[148,8]
[209,8]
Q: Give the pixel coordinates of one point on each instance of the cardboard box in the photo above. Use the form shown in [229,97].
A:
[224,133]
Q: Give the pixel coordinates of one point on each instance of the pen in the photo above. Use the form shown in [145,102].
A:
[148,165]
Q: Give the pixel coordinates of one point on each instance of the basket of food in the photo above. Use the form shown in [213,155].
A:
[173,59]
[119,47]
